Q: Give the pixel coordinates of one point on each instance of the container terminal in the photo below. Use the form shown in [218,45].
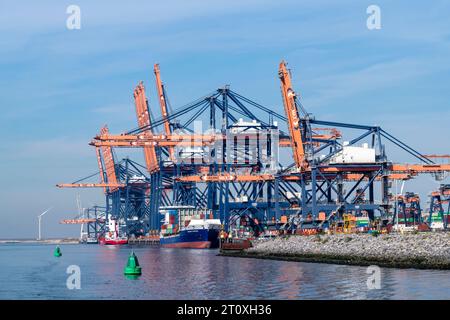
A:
[240,170]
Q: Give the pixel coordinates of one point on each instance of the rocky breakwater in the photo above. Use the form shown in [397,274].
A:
[414,250]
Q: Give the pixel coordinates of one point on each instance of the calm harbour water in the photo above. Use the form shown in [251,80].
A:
[30,271]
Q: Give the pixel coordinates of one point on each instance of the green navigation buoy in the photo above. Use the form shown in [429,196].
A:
[57,252]
[132,268]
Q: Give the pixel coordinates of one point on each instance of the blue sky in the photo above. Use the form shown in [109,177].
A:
[59,86]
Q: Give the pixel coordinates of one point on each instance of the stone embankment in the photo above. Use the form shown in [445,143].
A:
[428,250]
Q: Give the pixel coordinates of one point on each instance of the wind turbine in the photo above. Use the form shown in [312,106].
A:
[39,221]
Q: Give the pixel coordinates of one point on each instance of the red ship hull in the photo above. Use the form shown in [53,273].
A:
[112,241]
[189,245]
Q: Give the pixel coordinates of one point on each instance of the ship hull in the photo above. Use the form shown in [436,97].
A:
[113,242]
[194,239]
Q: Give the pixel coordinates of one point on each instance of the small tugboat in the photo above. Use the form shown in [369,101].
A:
[112,236]
[187,227]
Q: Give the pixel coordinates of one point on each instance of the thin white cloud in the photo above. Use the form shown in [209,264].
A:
[52,148]
[374,77]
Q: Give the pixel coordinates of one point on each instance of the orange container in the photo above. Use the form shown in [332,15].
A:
[322,216]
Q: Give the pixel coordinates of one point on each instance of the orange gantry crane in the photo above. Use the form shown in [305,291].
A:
[143,119]
[77,221]
[314,183]
[107,171]
[109,164]
[172,140]
[164,111]
[293,118]
[296,140]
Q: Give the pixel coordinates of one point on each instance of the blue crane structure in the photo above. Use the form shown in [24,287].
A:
[250,163]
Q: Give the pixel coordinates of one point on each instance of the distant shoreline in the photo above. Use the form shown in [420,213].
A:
[45,241]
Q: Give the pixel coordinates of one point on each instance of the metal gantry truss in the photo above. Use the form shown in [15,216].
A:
[97,227]
[440,205]
[240,165]
[408,210]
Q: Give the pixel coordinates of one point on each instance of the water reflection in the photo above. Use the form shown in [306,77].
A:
[33,273]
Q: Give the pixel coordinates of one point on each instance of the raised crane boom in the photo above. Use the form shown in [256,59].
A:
[109,165]
[163,105]
[143,119]
[100,168]
[108,177]
[293,118]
